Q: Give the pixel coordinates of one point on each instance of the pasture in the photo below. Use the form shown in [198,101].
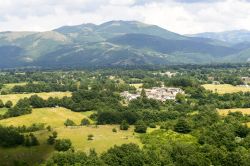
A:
[103,139]
[225,88]
[224,112]
[8,87]
[3,111]
[55,117]
[137,86]
[45,95]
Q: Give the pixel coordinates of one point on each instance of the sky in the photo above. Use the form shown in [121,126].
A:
[180,16]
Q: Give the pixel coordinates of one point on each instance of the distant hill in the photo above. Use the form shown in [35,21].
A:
[237,36]
[116,43]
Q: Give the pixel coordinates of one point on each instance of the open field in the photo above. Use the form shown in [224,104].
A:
[225,88]
[245,111]
[88,113]
[45,95]
[104,137]
[3,111]
[49,116]
[137,86]
[8,87]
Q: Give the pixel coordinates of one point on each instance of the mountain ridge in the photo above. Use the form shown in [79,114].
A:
[113,43]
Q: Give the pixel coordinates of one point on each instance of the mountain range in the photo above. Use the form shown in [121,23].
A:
[117,43]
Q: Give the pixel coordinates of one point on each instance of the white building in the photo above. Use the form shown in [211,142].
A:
[157,93]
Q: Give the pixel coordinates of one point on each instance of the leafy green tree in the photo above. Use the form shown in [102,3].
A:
[90,137]
[27,141]
[1,104]
[85,122]
[182,126]
[143,93]
[124,125]
[140,127]
[37,102]
[63,144]
[126,154]
[33,140]
[69,122]
[8,104]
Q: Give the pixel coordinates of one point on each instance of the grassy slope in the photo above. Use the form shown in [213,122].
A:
[225,88]
[104,138]
[3,111]
[8,87]
[50,116]
[245,111]
[15,97]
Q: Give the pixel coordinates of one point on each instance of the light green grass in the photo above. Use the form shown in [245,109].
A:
[54,117]
[104,137]
[88,113]
[45,95]
[225,88]
[137,86]
[8,87]
[224,112]
[3,111]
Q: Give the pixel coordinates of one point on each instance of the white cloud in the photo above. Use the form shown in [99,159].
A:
[176,15]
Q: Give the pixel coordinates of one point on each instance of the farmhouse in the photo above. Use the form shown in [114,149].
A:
[157,93]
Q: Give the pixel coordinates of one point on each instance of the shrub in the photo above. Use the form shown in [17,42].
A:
[152,125]
[69,122]
[1,104]
[140,127]
[85,122]
[182,126]
[8,104]
[90,137]
[114,130]
[124,125]
[52,138]
[63,144]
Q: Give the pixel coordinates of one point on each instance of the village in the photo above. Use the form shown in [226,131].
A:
[158,93]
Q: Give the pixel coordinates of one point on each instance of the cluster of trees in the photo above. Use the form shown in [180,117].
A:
[31,140]
[10,137]
[8,104]
[21,108]
[44,87]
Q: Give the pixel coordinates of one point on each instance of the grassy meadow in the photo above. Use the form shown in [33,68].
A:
[224,112]
[137,86]
[8,87]
[49,116]
[3,111]
[104,137]
[45,95]
[225,88]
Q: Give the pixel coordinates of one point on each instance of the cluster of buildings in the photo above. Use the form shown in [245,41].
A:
[167,73]
[157,93]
